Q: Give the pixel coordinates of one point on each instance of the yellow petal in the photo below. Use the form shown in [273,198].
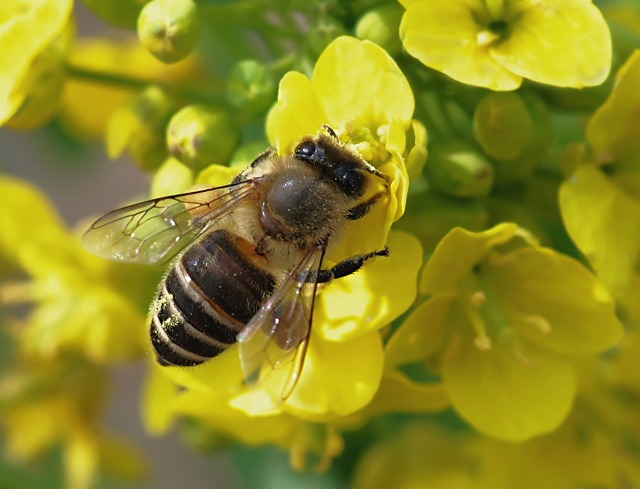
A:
[417,156]
[421,334]
[604,222]
[222,374]
[213,409]
[297,113]
[17,234]
[444,36]
[26,28]
[508,392]
[357,81]
[43,83]
[81,459]
[399,394]
[337,378]
[613,129]
[159,393]
[457,253]
[558,42]
[374,296]
[396,168]
[554,302]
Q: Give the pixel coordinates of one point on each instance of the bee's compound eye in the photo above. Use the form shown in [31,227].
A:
[306,149]
[352,181]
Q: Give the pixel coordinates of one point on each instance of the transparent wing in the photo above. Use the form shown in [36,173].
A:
[155,230]
[274,343]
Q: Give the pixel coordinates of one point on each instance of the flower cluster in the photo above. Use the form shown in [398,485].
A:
[497,344]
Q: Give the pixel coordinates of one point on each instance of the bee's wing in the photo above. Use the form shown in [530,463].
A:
[155,230]
[274,343]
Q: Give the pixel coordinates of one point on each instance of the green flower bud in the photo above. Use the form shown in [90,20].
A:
[456,169]
[169,29]
[246,153]
[251,87]
[587,99]
[533,154]
[123,13]
[502,125]
[138,126]
[381,25]
[431,215]
[198,136]
[172,177]
[323,32]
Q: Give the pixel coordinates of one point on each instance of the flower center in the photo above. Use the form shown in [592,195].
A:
[495,31]
[484,313]
[371,147]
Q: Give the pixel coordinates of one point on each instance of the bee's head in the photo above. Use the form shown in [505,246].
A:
[335,162]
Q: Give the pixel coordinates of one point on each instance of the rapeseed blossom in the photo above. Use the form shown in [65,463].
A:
[80,319]
[608,174]
[495,347]
[499,330]
[78,304]
[495,44]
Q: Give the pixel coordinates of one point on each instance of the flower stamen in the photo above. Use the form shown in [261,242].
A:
[539,322]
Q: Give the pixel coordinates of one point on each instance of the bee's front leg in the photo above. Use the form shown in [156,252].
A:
[346,267]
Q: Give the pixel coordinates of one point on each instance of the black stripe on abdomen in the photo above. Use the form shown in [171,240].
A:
[206,299]
[227,277]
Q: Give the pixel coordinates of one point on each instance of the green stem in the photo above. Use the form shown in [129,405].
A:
[101,77]
[435,117]
[282,64]
[244,13]
[211,92]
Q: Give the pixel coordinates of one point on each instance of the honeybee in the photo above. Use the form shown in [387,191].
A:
[247,257]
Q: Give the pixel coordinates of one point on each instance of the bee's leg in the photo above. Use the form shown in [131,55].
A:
[247,171]
[363,209]
[331,132]
[348,266]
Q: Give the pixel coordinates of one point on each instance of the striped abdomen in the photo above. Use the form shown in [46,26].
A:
[209,295]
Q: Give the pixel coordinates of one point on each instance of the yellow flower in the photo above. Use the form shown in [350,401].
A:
[497,43]
[49,404]
[601,211]
[34,37]
[80,302]
[503,323]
